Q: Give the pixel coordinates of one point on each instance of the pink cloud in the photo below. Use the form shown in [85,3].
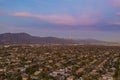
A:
[85,19]
[115,3]
[58,19]
[3,13]
[115,23]
[118,14]
[21,14]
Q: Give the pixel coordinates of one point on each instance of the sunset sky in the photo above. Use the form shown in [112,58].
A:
[78,19]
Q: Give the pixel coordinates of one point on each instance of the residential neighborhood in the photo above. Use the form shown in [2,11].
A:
[59,62]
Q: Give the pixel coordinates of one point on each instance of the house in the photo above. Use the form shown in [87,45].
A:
[71,78]
[24,77]
[106,77]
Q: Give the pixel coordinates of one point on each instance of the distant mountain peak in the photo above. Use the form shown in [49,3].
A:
[15,34]
[25,38]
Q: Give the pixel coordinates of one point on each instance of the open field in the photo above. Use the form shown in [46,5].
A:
[59,62]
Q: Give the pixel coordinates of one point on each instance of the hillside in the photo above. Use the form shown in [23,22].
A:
[24,38]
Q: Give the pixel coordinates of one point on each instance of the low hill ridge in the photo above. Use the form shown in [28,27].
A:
[24,38]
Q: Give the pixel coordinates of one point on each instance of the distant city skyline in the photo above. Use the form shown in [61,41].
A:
[78,19]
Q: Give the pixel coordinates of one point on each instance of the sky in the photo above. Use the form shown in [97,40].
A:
[78,19]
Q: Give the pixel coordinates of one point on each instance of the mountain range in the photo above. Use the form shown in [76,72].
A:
[24,38]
